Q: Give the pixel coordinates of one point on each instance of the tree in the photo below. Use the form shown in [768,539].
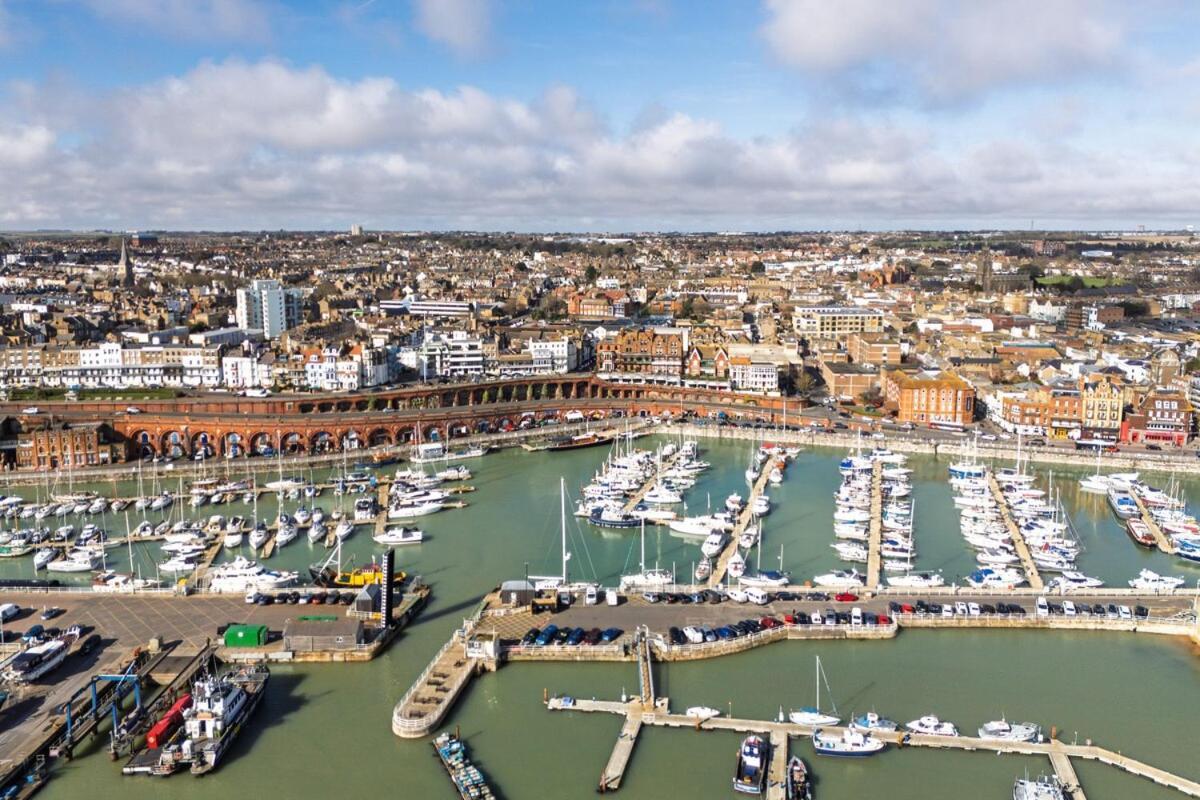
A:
[1193,365]
[871,397]
[591,273]
[804,383]
[757,267]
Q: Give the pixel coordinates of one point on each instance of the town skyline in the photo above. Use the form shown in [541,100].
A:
[480,115]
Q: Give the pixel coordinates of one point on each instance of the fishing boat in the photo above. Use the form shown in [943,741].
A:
[873,722]
[849,744]
[1045,787]
[220,708]
[399,536]
[331,575]
[468,780]
[750,774]
[1004,731]
[798,785]
[813,715]
[1140,533]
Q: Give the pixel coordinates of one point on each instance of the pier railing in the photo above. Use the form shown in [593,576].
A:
[417,724]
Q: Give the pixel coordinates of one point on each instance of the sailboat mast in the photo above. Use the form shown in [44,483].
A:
[562,489]
[642,561]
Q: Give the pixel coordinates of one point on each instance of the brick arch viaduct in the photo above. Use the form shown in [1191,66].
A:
[223,424]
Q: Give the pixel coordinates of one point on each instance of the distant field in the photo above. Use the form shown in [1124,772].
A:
[1089,283]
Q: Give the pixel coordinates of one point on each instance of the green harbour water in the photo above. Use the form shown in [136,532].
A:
[324,730]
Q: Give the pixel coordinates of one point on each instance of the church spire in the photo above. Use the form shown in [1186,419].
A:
[126,267]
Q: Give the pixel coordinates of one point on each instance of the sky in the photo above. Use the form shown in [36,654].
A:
[599,115]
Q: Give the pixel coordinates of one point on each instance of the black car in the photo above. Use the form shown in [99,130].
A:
[531,636]
[922,607]
[562,635]
[1141,612]
[935,608]
[1015,609]
[50,612]
[676,636]
[843,617]
[986,608]
[894,607]
[1056,609]
[89,644]
[1098,610]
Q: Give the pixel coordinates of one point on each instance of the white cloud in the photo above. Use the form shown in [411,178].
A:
[249,145]
[948,50]
[246,20]
[465,26]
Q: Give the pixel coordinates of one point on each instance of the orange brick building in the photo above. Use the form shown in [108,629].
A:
[945,399]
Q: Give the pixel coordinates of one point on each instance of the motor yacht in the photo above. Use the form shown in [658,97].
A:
[849,744]
[931,725]
[1005,731]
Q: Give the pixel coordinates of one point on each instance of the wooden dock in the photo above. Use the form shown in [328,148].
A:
[745,517]
[1160,538]
[650,482]
[614,770]
[777,772]
[875,533]
[1058,752]
[1014,531]
[1066,774]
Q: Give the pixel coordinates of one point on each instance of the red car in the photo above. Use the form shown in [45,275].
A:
[845,597]
[884,619]
[769,622]
[907,609]
[791,619]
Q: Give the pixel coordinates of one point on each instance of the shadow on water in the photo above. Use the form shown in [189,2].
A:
[450,609]
[281,701]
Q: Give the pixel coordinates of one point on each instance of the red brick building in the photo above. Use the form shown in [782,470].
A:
[1164,417]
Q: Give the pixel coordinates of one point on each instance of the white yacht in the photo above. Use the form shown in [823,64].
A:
[839,579]
[242,575]
[931,725]
[233,538]
[661,495]
[1153,582]
[399,536]
[75,561]
[917,580]
[714,544]
[1005,731]
[736,566]
[285,535]
[177,565]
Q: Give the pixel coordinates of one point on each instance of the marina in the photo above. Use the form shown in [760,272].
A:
[598,555]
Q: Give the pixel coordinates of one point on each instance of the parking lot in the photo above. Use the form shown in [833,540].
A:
[659,617]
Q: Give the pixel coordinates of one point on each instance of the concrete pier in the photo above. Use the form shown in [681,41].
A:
[1014,531]
[875,533]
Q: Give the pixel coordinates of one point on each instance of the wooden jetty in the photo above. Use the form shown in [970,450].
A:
[1014,532]
[745,517]
[1058,752]
[650,482]
[875,533]
[1160,539]
[777,770]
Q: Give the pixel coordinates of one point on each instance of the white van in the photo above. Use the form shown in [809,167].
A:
[1068,608]
[757,596]
[1043,608]
[973,609]
[612,597]
[738,596]
[856,617]
[693,634]
[573,416]
[9,611]
[960,608]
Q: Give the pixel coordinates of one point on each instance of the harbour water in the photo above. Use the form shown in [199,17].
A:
[325,729]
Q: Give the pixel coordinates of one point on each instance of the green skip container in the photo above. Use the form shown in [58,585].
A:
[245,635]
